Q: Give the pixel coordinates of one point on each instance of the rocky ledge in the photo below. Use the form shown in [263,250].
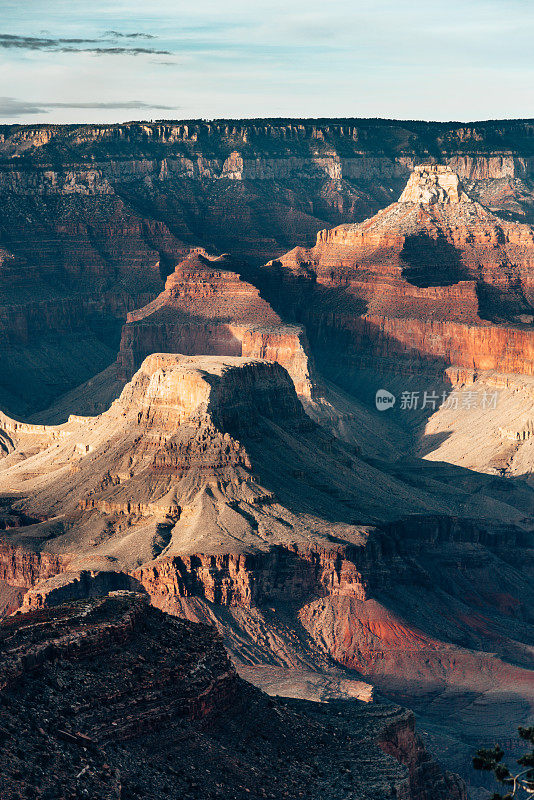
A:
[433,183]
[94,688]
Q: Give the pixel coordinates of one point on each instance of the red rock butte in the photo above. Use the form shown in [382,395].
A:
[433,279]
[208,309]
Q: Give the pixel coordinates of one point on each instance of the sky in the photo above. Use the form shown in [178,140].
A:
[101,61]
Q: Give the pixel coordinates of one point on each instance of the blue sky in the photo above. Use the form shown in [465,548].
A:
[101,61]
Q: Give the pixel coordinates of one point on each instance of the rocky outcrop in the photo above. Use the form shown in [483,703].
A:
[432,281]
[70,586]
[199,455]
[426,779]
[171,462]
[252,579]
[207,309]
[200,683]
[92,687]
[23,568]
[432,183]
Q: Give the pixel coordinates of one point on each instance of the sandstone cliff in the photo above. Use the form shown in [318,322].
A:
[95,217]
[207,309]
[208,448]
[431,281]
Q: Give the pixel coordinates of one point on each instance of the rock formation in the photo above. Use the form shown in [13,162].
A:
[304,525]
[432,183]
[188,445]
[95,217]
[207,309]
[432,281]
[208,487]
[433,294]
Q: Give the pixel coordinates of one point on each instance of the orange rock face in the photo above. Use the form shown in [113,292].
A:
[433,278]
[249,580]
[22,568]
[207,309]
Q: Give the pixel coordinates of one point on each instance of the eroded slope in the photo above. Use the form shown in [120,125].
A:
[92,688]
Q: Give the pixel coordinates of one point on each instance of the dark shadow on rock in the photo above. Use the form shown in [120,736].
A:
[431,262]
[167,264]
[502,304]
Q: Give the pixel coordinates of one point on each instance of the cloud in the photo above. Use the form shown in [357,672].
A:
[119,51]
[119,35]
[79,45]
[11,107]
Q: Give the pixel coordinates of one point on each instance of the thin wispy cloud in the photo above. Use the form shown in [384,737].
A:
[80,45]
[119,35]
[11,107]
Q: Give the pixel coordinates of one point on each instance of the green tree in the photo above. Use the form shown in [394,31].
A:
[520,783]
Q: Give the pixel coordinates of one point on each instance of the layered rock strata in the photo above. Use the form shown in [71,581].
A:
[207,309]
[433,280]
[206,479]
[95,217]
[432,183]
[93,686]
[206,486]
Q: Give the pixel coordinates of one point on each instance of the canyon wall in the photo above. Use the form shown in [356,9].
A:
[94,218]
[91,688]
[420,347]
[481,150]
[426,778]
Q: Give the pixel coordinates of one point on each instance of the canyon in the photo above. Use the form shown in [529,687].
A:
[93,686]
[431,297]
[434,278]
[94,218]
[189,414]
[207,487]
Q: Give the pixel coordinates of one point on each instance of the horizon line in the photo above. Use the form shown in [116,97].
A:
[271,119]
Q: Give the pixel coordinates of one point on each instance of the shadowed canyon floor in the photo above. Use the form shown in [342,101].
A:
[235,469]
